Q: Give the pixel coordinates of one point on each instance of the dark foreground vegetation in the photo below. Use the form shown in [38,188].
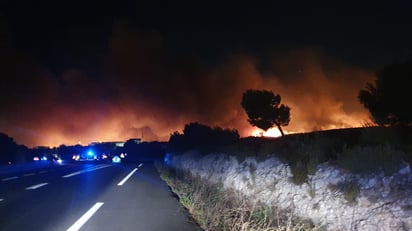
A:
[214,208]
[360,150]
[11,152]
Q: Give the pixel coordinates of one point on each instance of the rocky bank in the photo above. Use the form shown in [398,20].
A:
[332,198]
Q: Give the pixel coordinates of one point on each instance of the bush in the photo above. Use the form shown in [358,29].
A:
[201,137]
[350,190]
[216,209]
[380,135]
[371,159]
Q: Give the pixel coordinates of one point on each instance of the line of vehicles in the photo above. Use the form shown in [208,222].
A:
[116,152]
[88,155]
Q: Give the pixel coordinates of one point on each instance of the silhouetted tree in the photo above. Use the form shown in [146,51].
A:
[264,109]
[222,136]
[388,98]
[176,142]
[11,152]
[197,135]
[8,149]
[143,151]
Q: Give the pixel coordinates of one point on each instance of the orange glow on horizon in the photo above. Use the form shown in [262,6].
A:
[149,106]
[272,132]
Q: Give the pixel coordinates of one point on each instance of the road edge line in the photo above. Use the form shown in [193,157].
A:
[36,186]
[83,219]
[127,177]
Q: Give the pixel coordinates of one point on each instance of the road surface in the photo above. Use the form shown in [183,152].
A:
[88,196]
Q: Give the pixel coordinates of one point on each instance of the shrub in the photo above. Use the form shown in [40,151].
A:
[350,190]
[303,154]
[379,136]
[371,159]
[216,209]
[199,136]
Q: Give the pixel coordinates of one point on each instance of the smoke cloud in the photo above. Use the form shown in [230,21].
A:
[141,91]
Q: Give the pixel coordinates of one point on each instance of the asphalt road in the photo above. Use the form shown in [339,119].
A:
[88,196]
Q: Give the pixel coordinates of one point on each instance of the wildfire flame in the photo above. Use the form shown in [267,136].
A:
[145,95]
[272,132]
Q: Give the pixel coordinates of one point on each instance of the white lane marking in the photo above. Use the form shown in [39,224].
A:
[140,165]
[72,174]
[82,220]
[36,186]
[29,174]
[9,178]
[86,170]
[42,171]
[1,199]
[127,177]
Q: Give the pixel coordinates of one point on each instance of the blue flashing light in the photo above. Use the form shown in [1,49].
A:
[90,153]
[116,159]
[168,158]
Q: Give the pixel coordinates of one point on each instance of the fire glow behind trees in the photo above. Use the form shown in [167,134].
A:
[79,74]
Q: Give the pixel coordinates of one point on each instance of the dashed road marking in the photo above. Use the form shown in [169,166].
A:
[127,177]
[83,219]
[10,178]
[140,165]
[29,174]
[1,200]
[86,170]
[36,186]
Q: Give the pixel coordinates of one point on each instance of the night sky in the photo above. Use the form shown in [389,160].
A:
[82,71]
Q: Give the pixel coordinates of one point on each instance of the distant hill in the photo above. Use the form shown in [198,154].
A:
[10,151]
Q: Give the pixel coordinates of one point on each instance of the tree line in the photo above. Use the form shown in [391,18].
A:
[387,99]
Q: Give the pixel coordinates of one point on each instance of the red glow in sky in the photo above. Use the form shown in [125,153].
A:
[139,91]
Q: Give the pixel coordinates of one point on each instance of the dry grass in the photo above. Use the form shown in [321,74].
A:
[216,209]
[359,150]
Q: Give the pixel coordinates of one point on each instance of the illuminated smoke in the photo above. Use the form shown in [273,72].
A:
[321,91]
[144,93]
